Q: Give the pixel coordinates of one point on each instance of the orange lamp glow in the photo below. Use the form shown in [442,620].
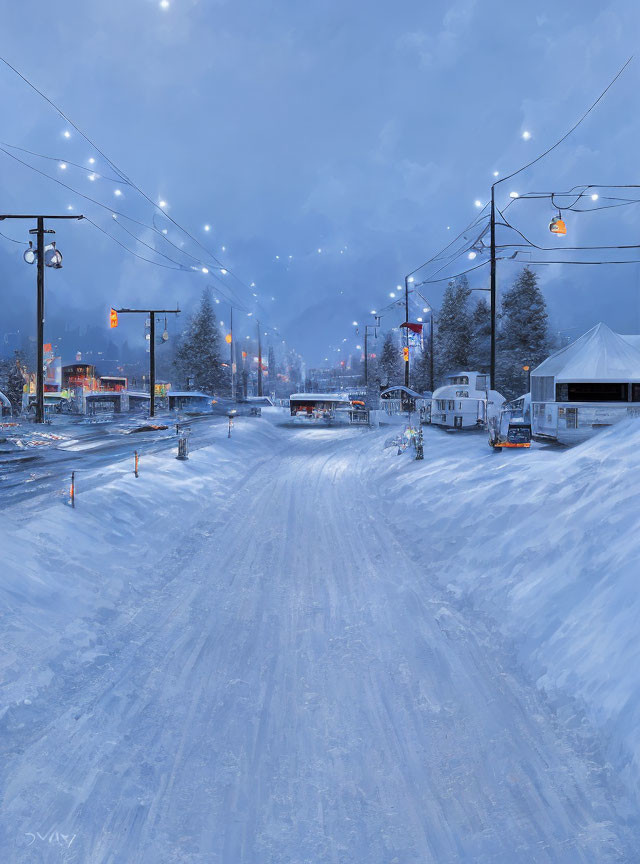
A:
[405,354]
[113,319]
[228,338]
[557,225]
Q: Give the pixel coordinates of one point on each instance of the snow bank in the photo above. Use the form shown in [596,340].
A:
[547,543]
[62,569]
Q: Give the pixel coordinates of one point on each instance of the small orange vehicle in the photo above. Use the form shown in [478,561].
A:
[518,435]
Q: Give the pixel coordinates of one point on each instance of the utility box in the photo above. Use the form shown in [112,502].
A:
[183,447]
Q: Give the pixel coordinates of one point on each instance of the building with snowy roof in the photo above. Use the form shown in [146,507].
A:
[585,386]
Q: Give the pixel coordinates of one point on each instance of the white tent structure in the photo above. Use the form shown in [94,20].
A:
[591,383]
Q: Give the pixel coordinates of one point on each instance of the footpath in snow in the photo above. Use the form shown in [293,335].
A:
[299,647]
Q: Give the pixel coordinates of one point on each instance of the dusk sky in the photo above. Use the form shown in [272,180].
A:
[347,136]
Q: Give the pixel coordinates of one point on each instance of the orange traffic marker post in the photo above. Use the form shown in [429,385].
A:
[72,491]
[135,464]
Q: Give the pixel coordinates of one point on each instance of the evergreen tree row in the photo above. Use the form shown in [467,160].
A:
[462,338]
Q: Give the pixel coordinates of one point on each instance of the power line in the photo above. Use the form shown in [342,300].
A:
[573,128]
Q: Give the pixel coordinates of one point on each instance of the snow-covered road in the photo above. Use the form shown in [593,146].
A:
[273,677]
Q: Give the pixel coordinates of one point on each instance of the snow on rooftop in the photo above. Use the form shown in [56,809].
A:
[598,355]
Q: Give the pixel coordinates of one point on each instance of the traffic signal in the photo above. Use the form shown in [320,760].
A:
[113,318]
[405,354]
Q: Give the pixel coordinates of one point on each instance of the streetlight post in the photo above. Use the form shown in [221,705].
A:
[152,347]
[492,288]
[39,232]
[259,361]
[406,335]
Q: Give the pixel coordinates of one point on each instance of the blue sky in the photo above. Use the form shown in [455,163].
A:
[361,130]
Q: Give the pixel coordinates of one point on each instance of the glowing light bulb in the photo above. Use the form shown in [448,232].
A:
[392,294]
[92,161]
[66,133]
[162,203]
[164,4]
[373,311]
[207,227]
[224,272]
[595,196]
[224,248]
[253,285]
[426,309]
[117,192]
[419,320]
[277,257]
[496,173]
[448,227]
[358,347]
[526,134]
[471,255]
[70,207]
[205,270]
[63,166]
[164,231]
[319,251]
[478,203]
[411,279]
[513,195]
[92,177]
[355,323]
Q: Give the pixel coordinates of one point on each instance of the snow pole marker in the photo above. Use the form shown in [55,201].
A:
[72,491]
[135,462]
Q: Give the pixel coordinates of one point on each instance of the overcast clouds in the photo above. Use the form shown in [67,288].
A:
[291,127]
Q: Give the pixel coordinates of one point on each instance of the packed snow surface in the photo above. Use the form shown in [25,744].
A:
[301,647]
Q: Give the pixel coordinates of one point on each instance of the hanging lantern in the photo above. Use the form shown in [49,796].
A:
[557,225]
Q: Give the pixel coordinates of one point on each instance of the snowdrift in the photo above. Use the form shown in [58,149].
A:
[547,544]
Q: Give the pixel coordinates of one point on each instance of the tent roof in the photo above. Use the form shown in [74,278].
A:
[598,355]
[408,390]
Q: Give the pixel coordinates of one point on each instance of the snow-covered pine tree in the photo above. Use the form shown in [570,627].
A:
[14,385]
[390,364]
[198,360]
[523,338]
[454,328]
[480,354]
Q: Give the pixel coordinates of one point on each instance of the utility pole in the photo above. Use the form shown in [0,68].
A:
[259,361]
[406,335]
[39,232]
[492,376]
[231,358]
[152,347]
